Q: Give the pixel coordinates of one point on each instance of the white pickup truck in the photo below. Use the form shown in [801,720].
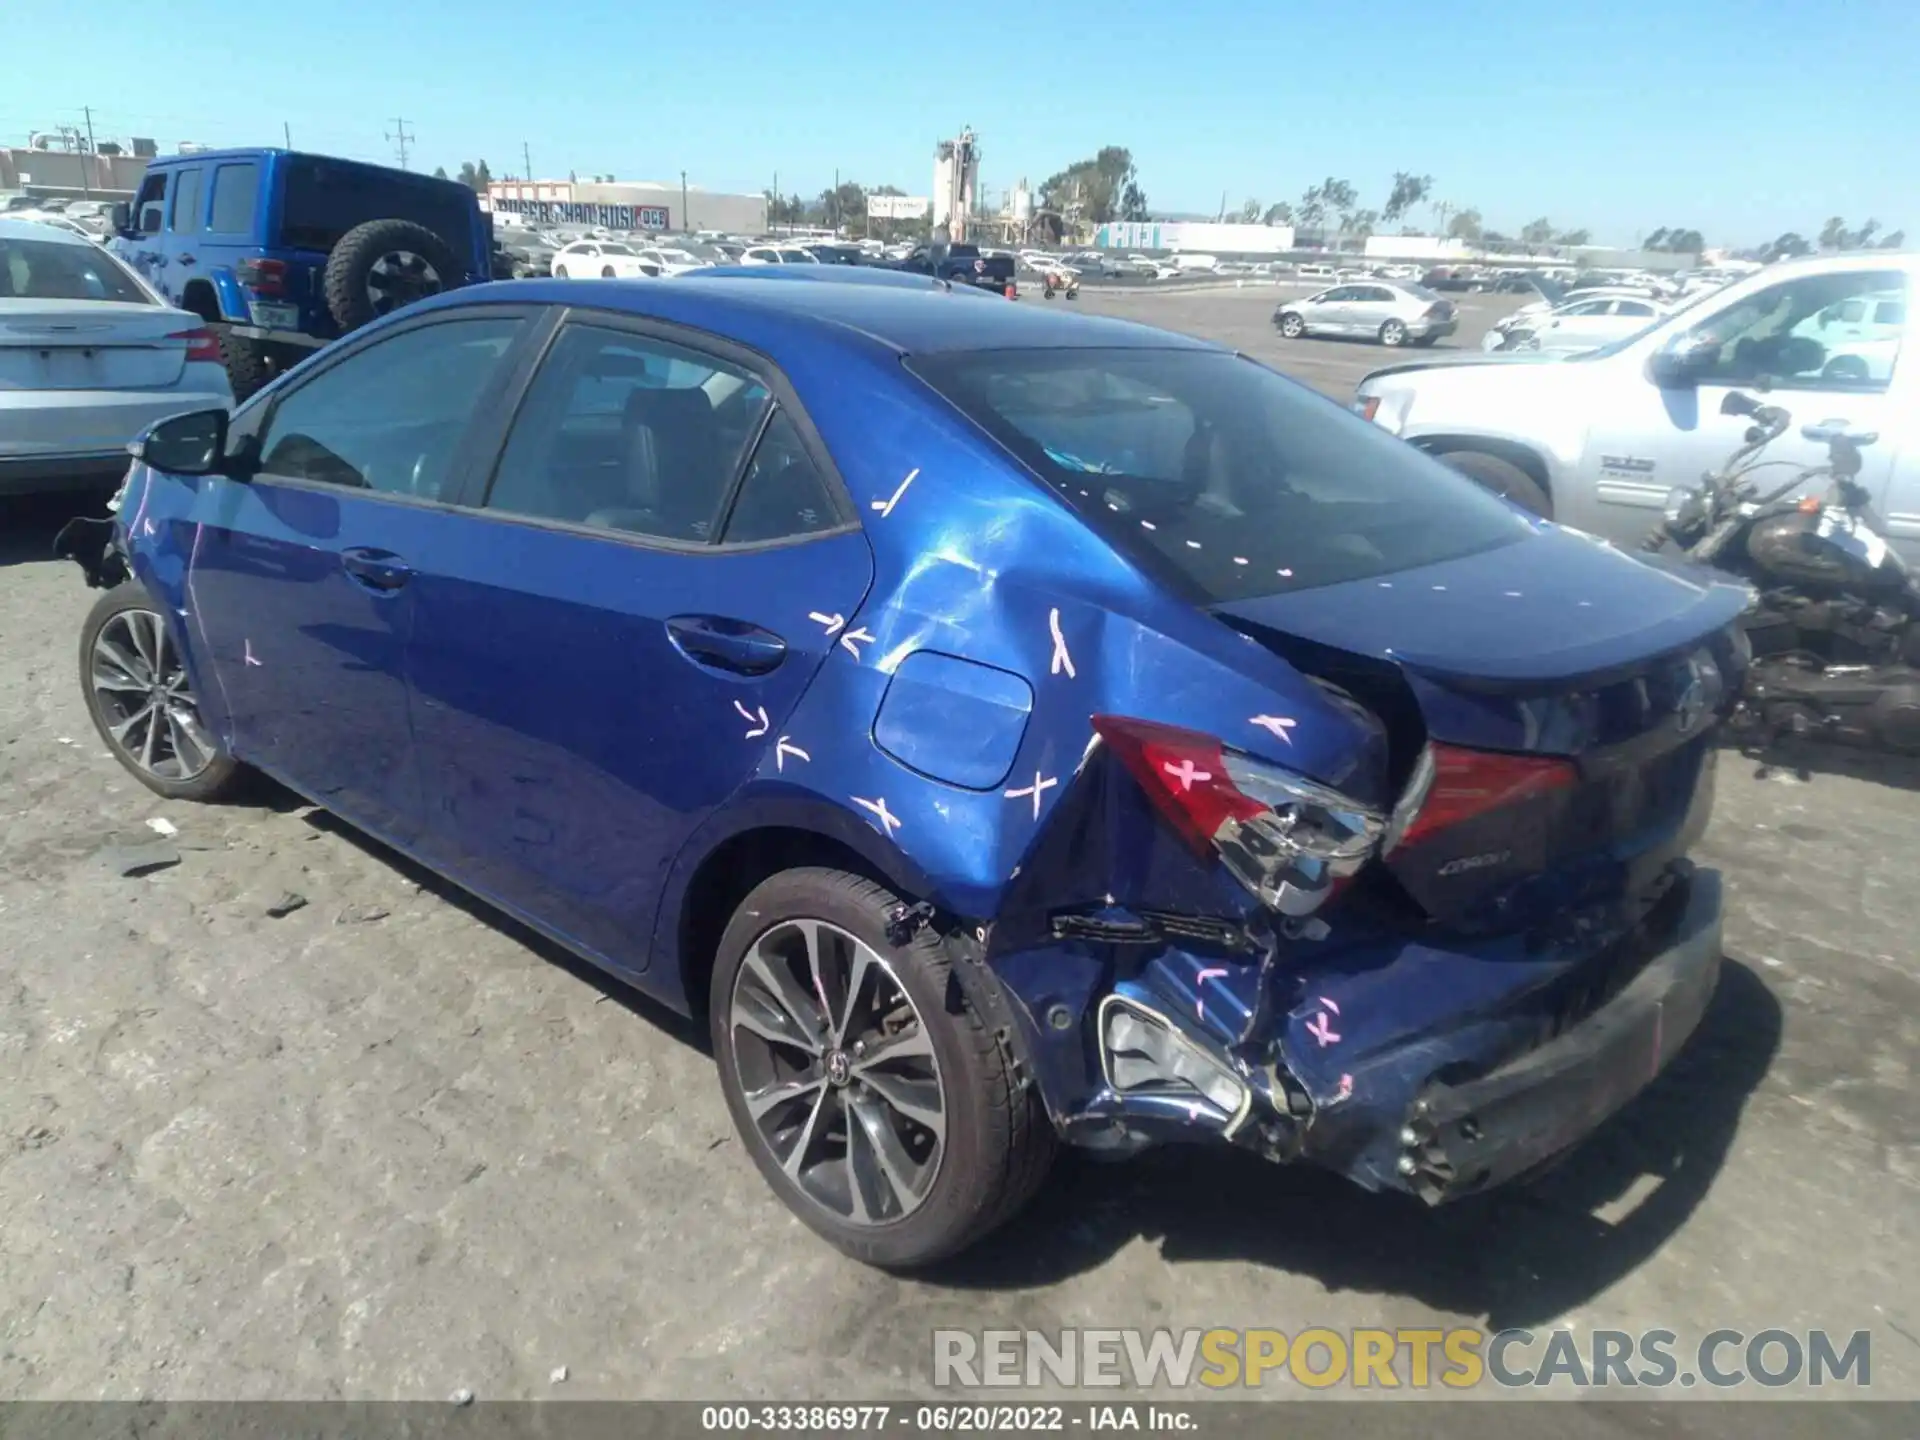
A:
[1597,440]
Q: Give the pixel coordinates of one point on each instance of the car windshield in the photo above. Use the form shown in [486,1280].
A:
[1216,475]
[62,270]
[324,199]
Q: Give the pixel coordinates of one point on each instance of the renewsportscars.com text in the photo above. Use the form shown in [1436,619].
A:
[1382,1359]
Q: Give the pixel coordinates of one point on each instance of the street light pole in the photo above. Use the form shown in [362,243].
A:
[686,216]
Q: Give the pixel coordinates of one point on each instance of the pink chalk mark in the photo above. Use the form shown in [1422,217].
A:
[1200,1004]
[246,652]
[1186,772]
[1324,1003]
[1321,1030]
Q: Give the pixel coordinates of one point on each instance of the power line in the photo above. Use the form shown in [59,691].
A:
[401,139]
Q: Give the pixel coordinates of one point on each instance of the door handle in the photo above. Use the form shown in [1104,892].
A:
[186,259]
[380,570]
[718,643]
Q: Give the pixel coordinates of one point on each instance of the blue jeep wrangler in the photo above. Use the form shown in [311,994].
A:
[280,252]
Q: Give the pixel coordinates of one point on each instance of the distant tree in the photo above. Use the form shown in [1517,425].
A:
[1833,234]
[1465,225]
[468,175]
[1536,232]
[1279,213]
[439,172]
[1103,188]
[1787,247]
[1342,199]
[1675,240]
[1359,225]
[1862,238]
[1655,241]
[844,206]
[1312,209]
[1572,237]
[1494,240]
[482,177]
[1893,240]
[1408,191]
[1249,212]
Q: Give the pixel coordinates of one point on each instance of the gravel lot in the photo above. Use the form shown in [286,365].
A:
[387,1145]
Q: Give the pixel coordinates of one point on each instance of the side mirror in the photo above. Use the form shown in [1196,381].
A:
[191,444]
[1684,360]
[122,217]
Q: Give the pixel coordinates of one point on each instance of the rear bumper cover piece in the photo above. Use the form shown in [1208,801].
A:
[1484,1132]
[1494,1060]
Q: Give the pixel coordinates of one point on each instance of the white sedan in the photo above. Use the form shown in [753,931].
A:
[673,261]
[1584,323]
[602,259]
[89,357]
[777,255]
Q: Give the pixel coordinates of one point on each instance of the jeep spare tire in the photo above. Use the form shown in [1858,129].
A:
[382,265]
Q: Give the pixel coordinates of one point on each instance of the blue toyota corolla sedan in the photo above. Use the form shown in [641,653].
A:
[1009,728]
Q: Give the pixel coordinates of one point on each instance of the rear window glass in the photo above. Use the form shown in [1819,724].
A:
[62,270]
[1217,475]
[326,198]
[233,192]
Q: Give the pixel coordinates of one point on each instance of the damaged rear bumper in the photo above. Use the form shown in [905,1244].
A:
[1437,1071]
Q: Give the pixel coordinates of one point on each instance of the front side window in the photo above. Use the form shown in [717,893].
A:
[1217,475]
[233,199]
[625,432]
[1797,333]
[147,208]
[186,203]
[389,418]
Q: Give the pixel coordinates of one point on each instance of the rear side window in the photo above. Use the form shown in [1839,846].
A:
[1217,475]
[64,270]
[233,199]
[186,203]
[625,432]
[783,494]
[323,199]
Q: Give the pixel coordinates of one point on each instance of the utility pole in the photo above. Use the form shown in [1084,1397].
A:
[526,158]
[86,164]
[686,215]
[401,139]
[833,218]
[776,201]
[286,134]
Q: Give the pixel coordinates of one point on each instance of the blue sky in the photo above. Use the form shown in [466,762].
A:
[1740,118]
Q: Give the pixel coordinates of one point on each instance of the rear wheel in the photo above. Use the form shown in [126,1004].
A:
[142,702]
[560,272]
[249,363]
[873,1098]
[1503,477]
[606,272]
[1393,333]
[1292,326]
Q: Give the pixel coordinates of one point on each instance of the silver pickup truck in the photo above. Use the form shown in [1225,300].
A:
[1597,440]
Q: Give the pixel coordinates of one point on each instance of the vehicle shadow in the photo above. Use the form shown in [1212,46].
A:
[1806,760]
[1519,1257]
[28,523]
[275,796]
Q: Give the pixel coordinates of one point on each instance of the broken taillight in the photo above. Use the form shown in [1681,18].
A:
[1452,784]
[1288,839]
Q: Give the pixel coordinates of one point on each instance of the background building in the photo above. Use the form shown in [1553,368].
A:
[56,174]
[635,205]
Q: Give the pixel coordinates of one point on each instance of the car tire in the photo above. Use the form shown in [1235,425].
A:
[1425,341]
[380,266]
[560,272]
[606,272]
[249,363]
[995,1142]
[1503,477]
[1292,327]
[112,651]
[1393,334]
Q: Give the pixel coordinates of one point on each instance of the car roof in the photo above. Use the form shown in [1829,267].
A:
[37,230]
[907,321]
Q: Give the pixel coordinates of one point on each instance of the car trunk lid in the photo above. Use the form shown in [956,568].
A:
[91,345]
[1548,705]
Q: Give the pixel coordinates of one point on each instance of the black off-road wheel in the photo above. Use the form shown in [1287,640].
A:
[873,1097]
[134,677]
[383,265]
[249,363]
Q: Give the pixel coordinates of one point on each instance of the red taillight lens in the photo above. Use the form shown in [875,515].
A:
[1184,774]
[1288,839]
[1455,784]
[263,277]
[202,346]
[1011,292]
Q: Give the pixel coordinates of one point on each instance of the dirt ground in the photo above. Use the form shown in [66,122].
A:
[290,1118]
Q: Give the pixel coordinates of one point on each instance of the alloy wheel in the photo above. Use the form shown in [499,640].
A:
[399,278]
[1392,333]
[145,699]
[836,1066]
